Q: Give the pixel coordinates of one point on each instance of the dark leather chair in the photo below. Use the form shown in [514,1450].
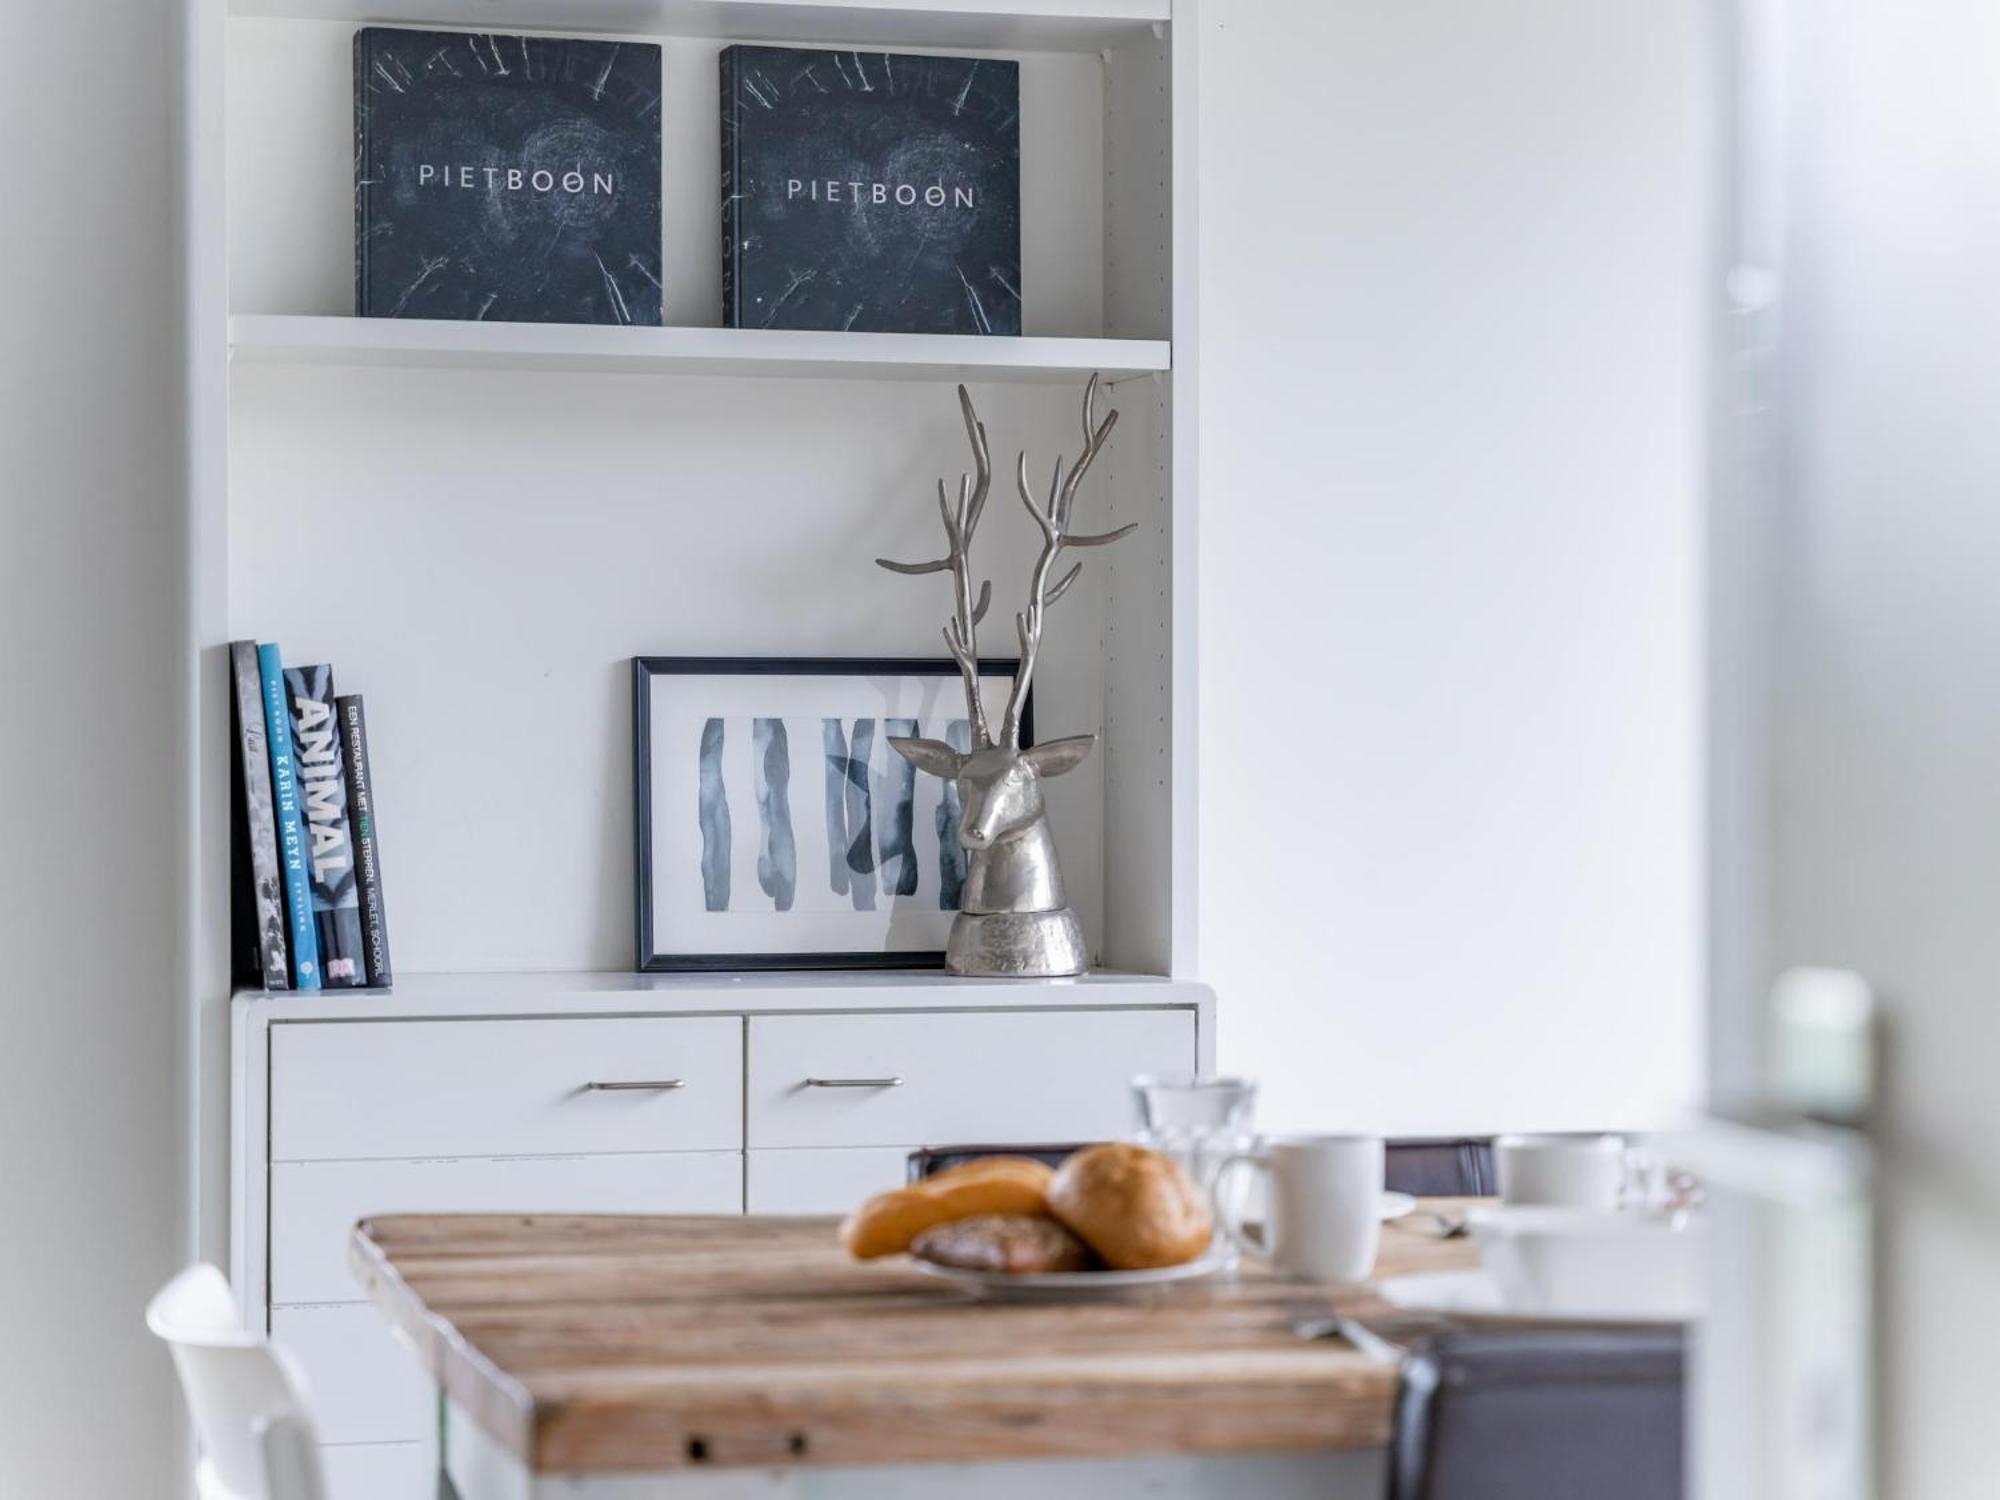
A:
[1542,1414]
[1452,1167]
[1442,1167]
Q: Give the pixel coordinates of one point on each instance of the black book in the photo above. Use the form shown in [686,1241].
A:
[870,190]
[258,915]
[353,723]
[512,178]
[336,888]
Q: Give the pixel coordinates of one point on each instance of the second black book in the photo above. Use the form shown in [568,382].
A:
[876,191]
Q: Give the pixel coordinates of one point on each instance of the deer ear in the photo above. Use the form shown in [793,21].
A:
[1053,757]
[934,756]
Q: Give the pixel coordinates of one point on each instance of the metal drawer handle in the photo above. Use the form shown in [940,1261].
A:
[854,1083]
[638,1085]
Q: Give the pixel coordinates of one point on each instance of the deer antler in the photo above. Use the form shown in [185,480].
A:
[1053,522]
[961,631]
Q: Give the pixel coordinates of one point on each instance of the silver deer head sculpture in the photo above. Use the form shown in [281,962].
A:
[1013,918]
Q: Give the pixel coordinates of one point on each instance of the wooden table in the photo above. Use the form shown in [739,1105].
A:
[575,1346]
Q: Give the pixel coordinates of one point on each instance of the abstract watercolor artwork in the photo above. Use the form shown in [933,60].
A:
[777,825]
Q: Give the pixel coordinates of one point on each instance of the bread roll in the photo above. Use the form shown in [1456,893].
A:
[1136,1208]
[887,1223]
[1013,1243]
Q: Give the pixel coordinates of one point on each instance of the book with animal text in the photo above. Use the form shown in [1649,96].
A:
[336,890]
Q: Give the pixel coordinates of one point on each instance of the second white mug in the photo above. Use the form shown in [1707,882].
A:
[1323,1205]
[1561,1171]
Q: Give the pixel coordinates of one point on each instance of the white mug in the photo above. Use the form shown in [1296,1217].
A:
[1561,1171]
[1323,1205]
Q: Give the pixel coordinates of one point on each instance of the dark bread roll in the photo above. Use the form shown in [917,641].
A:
[1018,1244]
[1136,1208]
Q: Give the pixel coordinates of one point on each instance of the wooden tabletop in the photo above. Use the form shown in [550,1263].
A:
[620,1343]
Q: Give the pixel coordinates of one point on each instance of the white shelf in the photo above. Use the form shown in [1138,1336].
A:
[417,996]
[1023,25]
[271,339]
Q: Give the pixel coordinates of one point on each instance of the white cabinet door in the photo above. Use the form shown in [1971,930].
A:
[947,1078]
[821,1182]
[379,1471]
[401,1089]
[314,1205]
[365,1384]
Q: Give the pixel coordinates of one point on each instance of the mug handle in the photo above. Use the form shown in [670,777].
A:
[1232,1225]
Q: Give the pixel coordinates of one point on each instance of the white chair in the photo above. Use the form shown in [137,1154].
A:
[248,1402]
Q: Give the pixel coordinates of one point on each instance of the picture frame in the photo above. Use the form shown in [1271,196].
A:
[745,859]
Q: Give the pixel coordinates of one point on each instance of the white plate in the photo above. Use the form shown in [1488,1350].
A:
[1581,1263]
[1074,1285]
[1556,1263]
[1444,1291]
[1395,1205]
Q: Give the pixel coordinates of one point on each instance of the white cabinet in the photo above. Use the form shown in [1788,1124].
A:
[364,1383]
[769,1095]
[903,1080]
[836,1104]
[315,1204]
[358,1471]
[506,1088]
[808,1181]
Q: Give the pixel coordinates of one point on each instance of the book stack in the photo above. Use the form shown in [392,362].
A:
[517,178]
[310,913]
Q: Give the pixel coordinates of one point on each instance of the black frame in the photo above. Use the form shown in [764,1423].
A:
[644,670]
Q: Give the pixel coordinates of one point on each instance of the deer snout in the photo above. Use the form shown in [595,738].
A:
[997,811]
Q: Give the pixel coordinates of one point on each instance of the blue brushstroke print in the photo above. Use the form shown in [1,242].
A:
[714,815]
[777,854]
[951,853]
[896,796]
[833,741]
[850,839]
[861,816]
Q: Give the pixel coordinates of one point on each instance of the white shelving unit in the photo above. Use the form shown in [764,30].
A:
[279,339]
[479,525]
[997,25]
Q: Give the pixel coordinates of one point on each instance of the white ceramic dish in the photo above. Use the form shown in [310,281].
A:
[1395,1205]
[1444,1292]
[1076,1286]
[1583,1263]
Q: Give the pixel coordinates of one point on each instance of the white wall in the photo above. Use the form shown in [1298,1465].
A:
[1887,764]
[90,755]
[1449,559]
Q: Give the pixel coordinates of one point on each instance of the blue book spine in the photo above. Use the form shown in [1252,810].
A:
[291,827]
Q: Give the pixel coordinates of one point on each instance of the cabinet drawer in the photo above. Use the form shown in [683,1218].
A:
[965,1076]
[383,1089]
[379,1471]
[314,1204]
[365,1385]
[821,1182]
